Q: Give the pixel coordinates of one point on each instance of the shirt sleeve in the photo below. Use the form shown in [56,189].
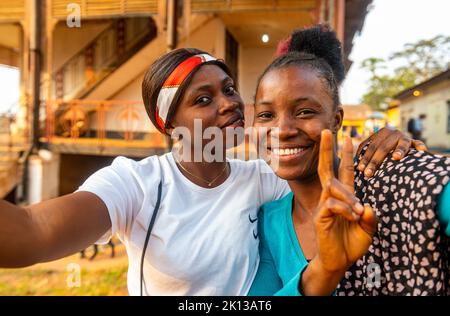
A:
[291,288]
[443,209]
[270,185]
[267,281]
[119,188]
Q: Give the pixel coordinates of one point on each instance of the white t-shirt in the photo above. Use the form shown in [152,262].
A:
[204,241]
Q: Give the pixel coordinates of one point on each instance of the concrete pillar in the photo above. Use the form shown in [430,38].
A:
[35,177]
[43,175]
[51,174]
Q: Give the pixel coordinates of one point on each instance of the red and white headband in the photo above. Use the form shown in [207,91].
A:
[173,82]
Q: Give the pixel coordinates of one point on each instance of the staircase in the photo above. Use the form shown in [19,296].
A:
[97,60]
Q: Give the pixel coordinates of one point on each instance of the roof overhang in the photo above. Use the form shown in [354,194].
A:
[355,15]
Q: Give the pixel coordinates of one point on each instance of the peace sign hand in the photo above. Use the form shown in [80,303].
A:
[344,228]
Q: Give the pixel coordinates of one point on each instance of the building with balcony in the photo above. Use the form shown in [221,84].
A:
[94,55]
[431,99]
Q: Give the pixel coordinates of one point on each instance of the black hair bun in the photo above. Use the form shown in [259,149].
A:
[322,42]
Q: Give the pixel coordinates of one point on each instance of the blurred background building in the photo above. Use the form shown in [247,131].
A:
[82,62]
[429,100]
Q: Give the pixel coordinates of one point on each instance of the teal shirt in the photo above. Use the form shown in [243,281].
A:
[443,209]
[281,258]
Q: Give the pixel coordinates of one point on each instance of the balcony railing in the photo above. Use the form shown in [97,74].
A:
[111,48]
[10,175]
[104,8]
[12,10]
[99,123]
[209,6]
[10,169]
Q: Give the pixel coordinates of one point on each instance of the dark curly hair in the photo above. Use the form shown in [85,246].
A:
[317,48]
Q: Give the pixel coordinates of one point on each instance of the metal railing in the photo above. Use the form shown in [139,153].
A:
[104,8]
[9,155]
[112,122]
[12,10]
[208,6]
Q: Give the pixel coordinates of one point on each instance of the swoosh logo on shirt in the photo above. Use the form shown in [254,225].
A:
[252,220]
[255,235]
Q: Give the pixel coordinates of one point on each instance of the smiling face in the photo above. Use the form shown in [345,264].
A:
[295,100]
[211,97]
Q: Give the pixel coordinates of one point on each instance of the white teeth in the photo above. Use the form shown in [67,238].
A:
[287,151]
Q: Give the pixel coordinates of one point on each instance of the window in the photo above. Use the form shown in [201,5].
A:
[9,89]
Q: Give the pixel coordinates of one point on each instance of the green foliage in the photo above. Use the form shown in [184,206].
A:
[426,58]
[415,63]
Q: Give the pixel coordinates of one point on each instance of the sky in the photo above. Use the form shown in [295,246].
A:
[388,26]
[9,87]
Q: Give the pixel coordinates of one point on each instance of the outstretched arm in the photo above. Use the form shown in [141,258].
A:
[50,230]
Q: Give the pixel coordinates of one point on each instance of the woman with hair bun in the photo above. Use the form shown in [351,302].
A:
[322,224]
[189,227]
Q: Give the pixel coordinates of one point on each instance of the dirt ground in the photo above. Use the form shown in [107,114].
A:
[71,275]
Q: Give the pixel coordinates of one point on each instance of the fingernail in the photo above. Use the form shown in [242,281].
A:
[356,217]
[397,155]
[361,167]
[368,172]
[359,207]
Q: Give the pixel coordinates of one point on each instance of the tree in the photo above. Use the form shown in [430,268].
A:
[415,63]
[383,87]
[373,65]
[426,58]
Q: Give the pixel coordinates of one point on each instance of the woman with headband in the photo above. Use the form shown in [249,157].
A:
[409,254]
[189,227]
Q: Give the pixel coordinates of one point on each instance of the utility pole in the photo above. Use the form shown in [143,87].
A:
[35,69]
[35,55]
[172,23]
